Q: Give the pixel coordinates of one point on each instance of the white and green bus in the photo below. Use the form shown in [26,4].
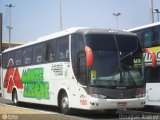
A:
[81,68]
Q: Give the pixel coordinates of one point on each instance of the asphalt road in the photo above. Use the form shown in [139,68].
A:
[53,113]
[51,110]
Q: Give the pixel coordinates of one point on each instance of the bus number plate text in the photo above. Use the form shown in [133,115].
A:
[122,104]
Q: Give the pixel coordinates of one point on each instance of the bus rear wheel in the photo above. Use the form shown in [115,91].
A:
[64,104]
[15,97]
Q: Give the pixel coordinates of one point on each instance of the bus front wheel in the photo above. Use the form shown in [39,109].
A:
[64,104]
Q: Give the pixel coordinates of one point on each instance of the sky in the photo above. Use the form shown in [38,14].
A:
[32,19]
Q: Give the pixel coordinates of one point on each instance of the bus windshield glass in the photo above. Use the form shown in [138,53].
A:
[115,60]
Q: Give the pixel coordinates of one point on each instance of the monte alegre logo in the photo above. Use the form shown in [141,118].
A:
[34,84]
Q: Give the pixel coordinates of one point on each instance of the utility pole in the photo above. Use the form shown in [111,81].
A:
[156,10]
[9,27]
[0,34]
[60,10]
[117,15]
[151,11]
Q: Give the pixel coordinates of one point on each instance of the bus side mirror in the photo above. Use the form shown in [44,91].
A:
[89,56]
[153,56]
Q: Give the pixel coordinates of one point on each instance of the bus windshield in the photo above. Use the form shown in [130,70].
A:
[114,59]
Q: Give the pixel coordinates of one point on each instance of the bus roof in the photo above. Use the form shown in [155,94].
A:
[83,30]
[47,37]
[142,27]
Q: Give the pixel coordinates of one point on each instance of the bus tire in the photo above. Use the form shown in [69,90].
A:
[64,103]
[15,97]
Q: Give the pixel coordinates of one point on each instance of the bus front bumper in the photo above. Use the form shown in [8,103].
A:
[97,104]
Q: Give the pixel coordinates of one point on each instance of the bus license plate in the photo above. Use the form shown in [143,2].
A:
[122,104]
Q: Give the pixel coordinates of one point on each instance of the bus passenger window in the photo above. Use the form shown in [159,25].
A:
[38,53]
[28,61]
[152,74]
[157,35]
[67,53]
[4,60]
[148,37]
[27,55]
[18,57]
[51,57]
[50,51]
[39,59]
[63,48]
[10,61]
[61,55]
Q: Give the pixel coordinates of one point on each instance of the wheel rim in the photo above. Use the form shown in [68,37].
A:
[15,98]
[65,102]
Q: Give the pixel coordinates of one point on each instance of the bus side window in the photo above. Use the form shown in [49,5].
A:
[50,51]
[140,36]
[157,35]
[63,48]
[148,37]
[152,74]
[27,55]
[37,53]
[18,57]
[4,60]
[11,60]
[67,53]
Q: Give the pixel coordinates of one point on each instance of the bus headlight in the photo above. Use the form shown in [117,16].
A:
[98,96]
[140,95]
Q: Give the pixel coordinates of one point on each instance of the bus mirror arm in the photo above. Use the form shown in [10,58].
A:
[89,56]
[153,56]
